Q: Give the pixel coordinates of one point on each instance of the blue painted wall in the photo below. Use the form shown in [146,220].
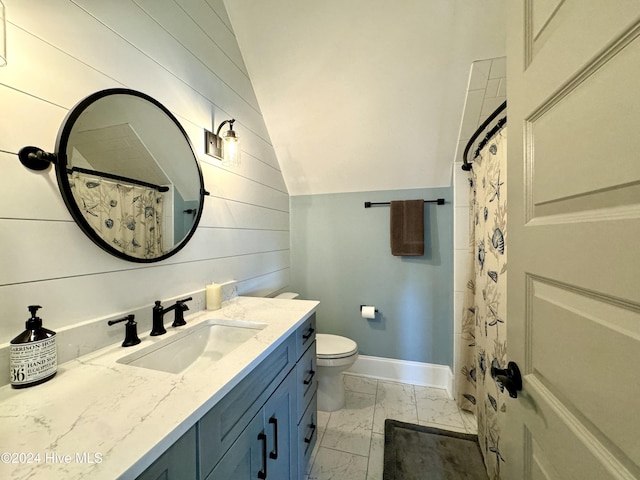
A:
[340,255]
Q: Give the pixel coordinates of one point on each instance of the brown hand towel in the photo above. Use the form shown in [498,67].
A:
[407,227]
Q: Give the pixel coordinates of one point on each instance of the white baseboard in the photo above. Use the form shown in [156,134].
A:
[404,371]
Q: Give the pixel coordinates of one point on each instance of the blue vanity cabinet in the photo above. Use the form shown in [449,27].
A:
[289,414]
[177,463]
[219,428]
[263,450]
[264,427]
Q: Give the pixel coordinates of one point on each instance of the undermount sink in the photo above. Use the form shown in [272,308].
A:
[212,339]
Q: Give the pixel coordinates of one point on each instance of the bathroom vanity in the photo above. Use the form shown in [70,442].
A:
[249,414]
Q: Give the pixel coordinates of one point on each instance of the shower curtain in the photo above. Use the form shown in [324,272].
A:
[484,329]
[128,217]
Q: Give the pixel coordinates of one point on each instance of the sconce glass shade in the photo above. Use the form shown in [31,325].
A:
[225,147]
[3,35]
[230,149]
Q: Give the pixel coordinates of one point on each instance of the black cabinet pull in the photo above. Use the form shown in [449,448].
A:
[313,430]
[309,379]
[307,336]
[274,454]
[262,474]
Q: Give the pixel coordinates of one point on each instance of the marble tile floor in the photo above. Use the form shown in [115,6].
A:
[350,443]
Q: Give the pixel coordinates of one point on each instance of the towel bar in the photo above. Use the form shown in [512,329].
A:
[439,201]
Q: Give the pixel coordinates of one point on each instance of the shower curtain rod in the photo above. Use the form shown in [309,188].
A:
[112,176]
[439,201]
[466,166]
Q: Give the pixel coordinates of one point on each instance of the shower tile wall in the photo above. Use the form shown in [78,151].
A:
[486,92]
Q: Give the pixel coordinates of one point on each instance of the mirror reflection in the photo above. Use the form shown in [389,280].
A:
[129,175]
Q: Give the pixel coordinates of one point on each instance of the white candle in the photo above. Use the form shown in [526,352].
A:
[213,295]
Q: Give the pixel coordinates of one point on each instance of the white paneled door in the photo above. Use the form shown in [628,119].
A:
[574,239]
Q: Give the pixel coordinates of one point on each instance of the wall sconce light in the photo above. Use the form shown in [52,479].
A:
[3,35]
[225,147]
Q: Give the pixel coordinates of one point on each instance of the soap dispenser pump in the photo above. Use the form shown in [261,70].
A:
[33,353]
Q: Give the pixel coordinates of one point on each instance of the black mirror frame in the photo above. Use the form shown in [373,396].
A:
[65,188]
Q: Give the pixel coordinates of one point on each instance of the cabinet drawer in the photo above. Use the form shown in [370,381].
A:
[307,380]
[219,428]
[305,335]
[307,435]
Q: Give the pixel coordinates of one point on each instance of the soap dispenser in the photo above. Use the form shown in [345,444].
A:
[33,355]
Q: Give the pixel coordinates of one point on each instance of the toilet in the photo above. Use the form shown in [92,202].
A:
[335,354]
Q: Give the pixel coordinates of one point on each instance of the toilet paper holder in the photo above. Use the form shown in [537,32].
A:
[361,307]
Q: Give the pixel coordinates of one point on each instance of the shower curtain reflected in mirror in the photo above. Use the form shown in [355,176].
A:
[484,329]
[128,217]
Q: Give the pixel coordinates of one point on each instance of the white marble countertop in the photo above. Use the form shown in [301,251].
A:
[98,419]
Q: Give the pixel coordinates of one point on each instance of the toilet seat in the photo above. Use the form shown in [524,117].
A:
[334,346]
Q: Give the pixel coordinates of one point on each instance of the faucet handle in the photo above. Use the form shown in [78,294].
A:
[181,307]
[131,330]
[157,327]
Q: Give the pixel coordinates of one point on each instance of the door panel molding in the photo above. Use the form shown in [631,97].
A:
[574,339]
[541,465]
[549,417]
[540,19]
[559,192]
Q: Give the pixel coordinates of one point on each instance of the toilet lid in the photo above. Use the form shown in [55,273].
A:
[334,346]
[288,295]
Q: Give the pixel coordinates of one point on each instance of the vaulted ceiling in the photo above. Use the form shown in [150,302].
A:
[362,95]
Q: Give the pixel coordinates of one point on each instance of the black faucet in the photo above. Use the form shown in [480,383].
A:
[158,316]
[131,333]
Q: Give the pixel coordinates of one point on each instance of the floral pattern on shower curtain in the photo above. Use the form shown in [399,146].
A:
[128,217]
[484,329]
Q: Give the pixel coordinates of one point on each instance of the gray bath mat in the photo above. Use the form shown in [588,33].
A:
[414,452]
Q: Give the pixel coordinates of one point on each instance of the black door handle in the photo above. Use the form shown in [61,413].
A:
[508,378]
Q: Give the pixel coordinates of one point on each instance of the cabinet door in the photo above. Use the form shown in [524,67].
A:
[265,449]
[177,463]
[280,427]
[246,457]
[222,425]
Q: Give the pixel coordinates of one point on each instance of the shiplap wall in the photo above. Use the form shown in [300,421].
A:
[184,54]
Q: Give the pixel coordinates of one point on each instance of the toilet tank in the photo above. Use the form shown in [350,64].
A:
[288,295]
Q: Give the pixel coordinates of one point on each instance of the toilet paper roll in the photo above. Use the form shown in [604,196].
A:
[213,296]
[368,311]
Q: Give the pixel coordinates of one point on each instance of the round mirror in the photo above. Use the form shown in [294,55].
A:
[129,175]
